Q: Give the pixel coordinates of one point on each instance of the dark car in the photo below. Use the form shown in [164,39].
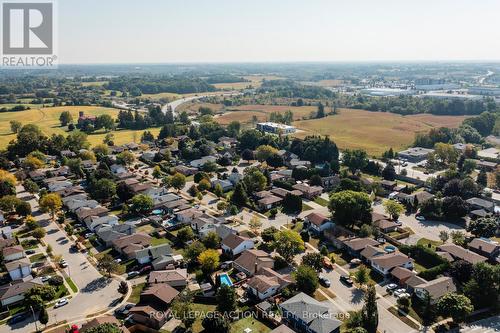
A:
[347,280]
[18,318]
[30,251]
[145,269]
[324,281]
[123,311]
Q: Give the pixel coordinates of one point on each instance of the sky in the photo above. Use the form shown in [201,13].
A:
[170,31]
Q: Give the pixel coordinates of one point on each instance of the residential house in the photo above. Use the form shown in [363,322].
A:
[84,212]
[117,168]
[305,314]
[356,245]
[156,299]
[386,262]
[14,292]
[318,222]
[226,184]
[458,252]
[330,182]
[435,289]
[485,247]
[92,222]
[267,283]
[185,170]
[151,253]
[106,319]
[234,244]
[309,192]
[18,269]
[251,261]
[188,215]
[478,203]
[282,329]
[129,245]
[370,252]
[200,162]
[12,253]
[37,175]
[269,202]
[107,234]
[176,278]
[401,274]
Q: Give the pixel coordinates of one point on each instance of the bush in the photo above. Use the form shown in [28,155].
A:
[304,234]
[56,280]
[425,256]
[279,263]
[432,273]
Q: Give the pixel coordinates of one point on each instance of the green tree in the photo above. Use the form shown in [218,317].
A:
[125,158]
[263,152]
[211,240]
[484,227]
[288,243]
[104,189]
[193,250]
[226,299]
[108,264]
[239,196]
[182,310]
[141,204]
[361,275]
[306,279]
[404,303]
[369,313]
[65,118]
[354,160]
[313,260]
[204,185]
[482,178]
[38,233]
[455,306]
[443,236]
[219,191]
[15,126]
[178,181]
[30,186]
[393,208]
[185,234]
[389,173]
[43,317]
[292,204]
[216,324]
[350,208]
[123,288]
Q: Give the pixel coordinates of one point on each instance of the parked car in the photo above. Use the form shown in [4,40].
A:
[132,274]
[355,262]
[346,279]
[145,269]
[420,218]
[403,295]
[391,287]
[118,260]
[30,251]
[398,292]
[45,278]
[61,302]
[18,318]
[63,264]
[327,264]
[324,281]
[123,311]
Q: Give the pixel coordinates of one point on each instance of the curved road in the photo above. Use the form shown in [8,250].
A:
[174,104]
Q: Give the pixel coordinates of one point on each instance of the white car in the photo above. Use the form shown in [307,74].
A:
[391,286]
[61,302]
[118,260]
[403,295]
[399,292]
[420,218]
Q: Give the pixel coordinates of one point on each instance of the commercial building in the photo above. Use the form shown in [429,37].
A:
[275,128]
[415,154]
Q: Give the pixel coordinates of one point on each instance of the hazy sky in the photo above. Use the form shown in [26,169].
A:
[159,31]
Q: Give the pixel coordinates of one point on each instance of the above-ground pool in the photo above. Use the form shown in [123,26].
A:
[390,248]
[157,212]
[225,279]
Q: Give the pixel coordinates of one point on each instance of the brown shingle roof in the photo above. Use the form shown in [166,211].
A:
[358,244]
[316,218]
[163,292]
[391,260]
[461,253]
[483,245]
[232,240]
[167,276]
[401,273]
[439,287]
[7,251]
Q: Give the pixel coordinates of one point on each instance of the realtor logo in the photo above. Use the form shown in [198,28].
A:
[28,34]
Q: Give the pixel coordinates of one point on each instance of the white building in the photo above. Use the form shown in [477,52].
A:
[275,128]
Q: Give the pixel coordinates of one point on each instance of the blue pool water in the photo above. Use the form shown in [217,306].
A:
[224,279]
[390,248]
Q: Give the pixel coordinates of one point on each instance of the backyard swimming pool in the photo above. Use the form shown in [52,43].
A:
[225,279]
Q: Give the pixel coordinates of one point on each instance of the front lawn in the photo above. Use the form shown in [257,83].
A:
[136,293]
[432,244]
[321,201]
[37,257]
[201,310]
[159,241]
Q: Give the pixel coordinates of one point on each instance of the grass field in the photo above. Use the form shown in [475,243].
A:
[245,113]
[255,81]
[48,121]
[374,132]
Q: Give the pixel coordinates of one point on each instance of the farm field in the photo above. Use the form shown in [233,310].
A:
[48,121]
[245,113]
[374,132]
[254,80]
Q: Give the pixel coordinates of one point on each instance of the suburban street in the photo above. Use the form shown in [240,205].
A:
[95,293]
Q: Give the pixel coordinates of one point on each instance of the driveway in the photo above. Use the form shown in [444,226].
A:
[95,293]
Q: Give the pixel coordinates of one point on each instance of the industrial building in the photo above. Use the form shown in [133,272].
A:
[275,128]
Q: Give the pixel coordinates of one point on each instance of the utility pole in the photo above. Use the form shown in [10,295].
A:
[34,318]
